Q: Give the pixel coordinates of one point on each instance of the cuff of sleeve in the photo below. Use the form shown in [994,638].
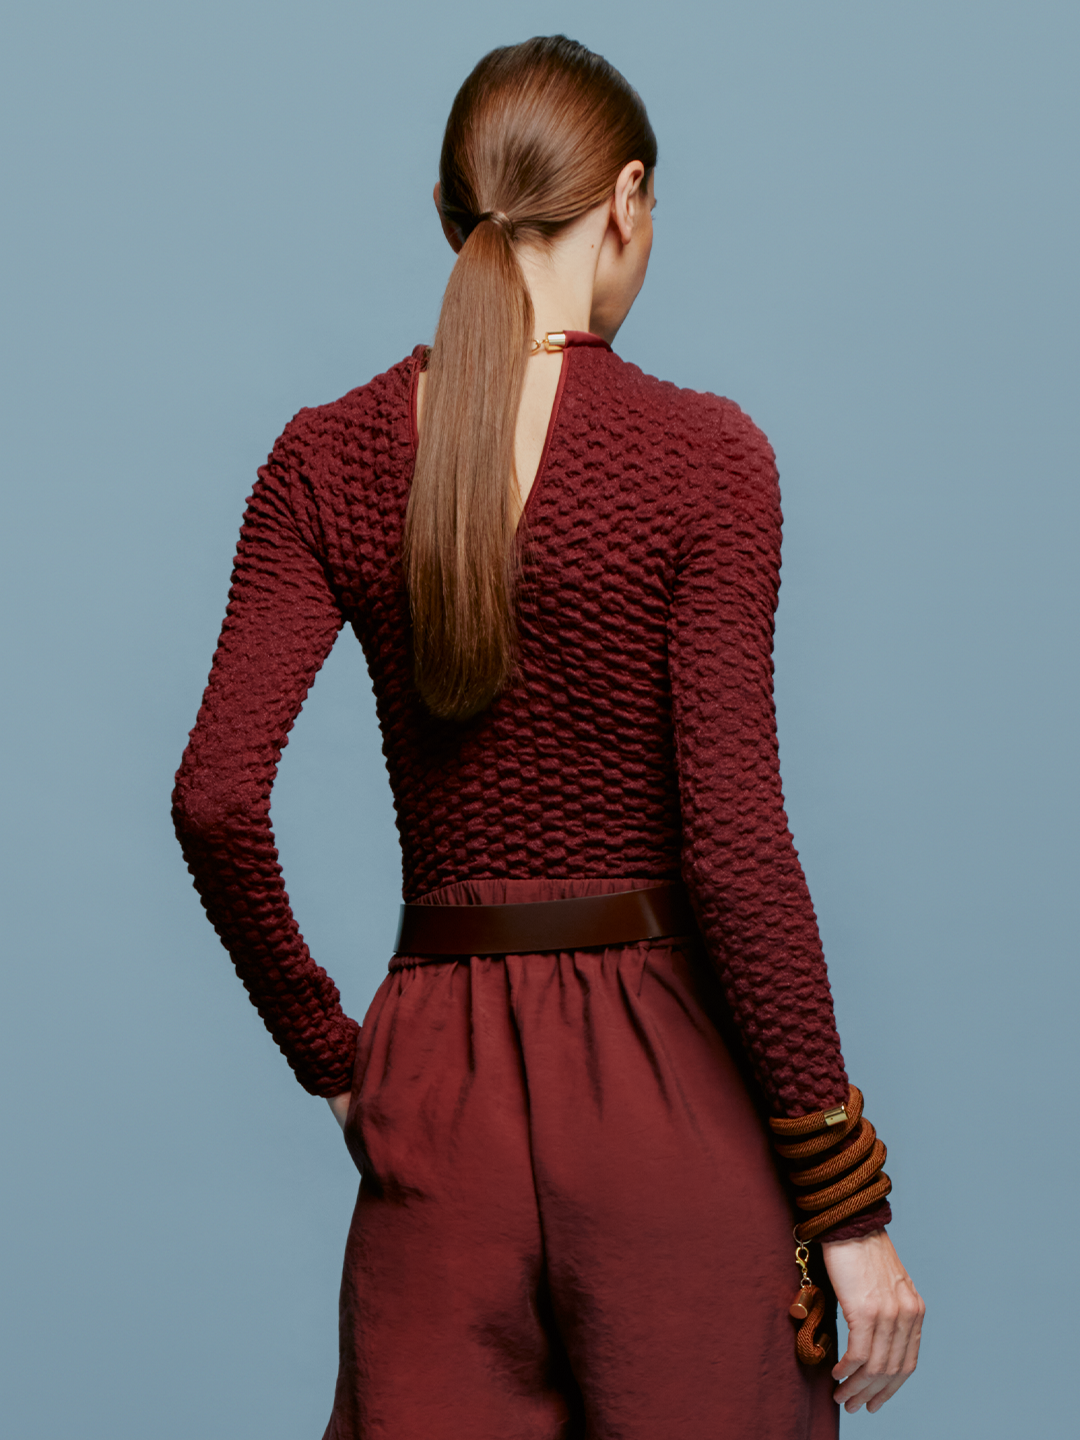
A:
[876,1218]
[331,1071]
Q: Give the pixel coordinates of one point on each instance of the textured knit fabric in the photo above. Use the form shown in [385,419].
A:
[638,738]
[569,1223]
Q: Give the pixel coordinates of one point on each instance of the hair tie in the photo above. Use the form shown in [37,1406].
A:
[499,218]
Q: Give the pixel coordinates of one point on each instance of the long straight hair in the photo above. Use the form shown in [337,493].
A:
[537,136]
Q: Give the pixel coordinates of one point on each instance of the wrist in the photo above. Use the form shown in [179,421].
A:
[870,1238]
[339,1105]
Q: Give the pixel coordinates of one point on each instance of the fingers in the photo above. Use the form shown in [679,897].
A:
[905,1353]
[860,1370]
[882,1351]
[884,1313]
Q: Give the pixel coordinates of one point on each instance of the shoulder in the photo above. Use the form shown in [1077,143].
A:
[724,454]
[369,418]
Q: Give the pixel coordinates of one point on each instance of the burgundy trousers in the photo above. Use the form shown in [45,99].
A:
[569,1224]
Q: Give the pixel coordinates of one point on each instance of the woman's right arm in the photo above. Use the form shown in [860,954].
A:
[281,622]
[339,1107]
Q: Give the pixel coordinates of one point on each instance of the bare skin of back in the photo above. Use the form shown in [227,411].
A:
[537,399]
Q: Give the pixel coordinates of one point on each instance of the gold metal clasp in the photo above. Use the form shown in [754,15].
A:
[801,1306]
[836,1116]
[802,1259]
[553,340]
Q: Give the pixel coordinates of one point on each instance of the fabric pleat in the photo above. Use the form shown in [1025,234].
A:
[569,1222]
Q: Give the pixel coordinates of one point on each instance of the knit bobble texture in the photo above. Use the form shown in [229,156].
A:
[638,738]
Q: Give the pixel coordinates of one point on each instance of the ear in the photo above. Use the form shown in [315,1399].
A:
[624,201]
[452,233]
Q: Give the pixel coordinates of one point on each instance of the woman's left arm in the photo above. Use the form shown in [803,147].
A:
[884,1314]
[739,859]
[281,622]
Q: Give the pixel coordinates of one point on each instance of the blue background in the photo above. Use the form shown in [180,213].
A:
[867,235]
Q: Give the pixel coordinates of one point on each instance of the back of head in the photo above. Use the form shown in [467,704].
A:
[536,137]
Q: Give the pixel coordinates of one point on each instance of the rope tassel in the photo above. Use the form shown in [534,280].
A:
[809,1307]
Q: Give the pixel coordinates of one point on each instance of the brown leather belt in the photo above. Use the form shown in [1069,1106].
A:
[578,923]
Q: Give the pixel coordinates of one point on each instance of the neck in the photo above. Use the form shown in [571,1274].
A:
[562,276]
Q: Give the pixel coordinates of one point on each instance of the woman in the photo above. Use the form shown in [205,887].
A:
[608,992]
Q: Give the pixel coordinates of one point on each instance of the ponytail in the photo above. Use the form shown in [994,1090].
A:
[537,136]
[460,551]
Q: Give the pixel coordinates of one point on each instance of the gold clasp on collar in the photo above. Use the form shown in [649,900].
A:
[553,340]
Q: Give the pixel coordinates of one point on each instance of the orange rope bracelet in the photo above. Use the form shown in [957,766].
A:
[852,1171]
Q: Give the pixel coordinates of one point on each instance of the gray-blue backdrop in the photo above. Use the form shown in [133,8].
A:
[218,212]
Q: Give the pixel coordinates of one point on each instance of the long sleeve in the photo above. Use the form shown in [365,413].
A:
[739,859]
[281,622]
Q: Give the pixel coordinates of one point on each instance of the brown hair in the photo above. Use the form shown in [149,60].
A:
[537,136]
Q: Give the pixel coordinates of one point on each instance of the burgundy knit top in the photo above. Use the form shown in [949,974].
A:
[638,739]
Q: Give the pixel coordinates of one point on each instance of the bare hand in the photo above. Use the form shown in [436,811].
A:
[884,1314]
[339,1104]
